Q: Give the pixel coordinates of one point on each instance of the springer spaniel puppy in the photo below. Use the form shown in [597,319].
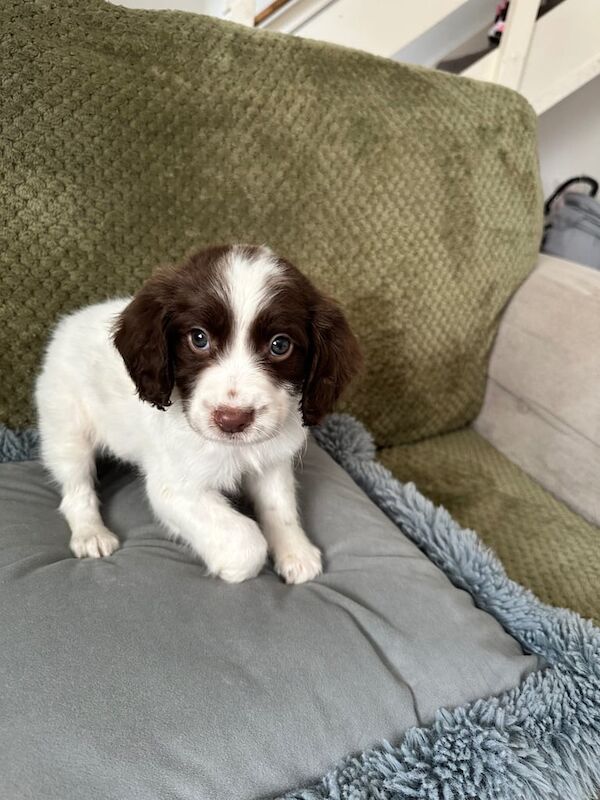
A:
[205,380]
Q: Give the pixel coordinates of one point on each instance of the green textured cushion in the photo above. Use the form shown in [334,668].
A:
[542,543]
[129,137]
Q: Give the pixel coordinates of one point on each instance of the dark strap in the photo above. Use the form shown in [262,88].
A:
[591,182]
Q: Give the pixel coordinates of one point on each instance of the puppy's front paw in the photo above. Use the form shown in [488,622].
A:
[243,553]
[299,564]
[94,543]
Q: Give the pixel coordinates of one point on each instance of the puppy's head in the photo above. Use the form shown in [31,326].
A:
[246,339]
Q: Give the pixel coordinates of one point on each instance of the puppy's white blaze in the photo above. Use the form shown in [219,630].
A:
[248,279]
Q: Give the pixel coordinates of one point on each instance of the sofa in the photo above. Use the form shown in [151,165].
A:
[425,663]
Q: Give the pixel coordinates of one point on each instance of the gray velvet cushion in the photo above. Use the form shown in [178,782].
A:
[136,676]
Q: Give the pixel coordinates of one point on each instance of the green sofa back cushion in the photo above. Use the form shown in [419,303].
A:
[129,137]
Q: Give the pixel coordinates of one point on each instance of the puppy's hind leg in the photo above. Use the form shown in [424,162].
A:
[68,452]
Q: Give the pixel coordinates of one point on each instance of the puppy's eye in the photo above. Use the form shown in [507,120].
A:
[198,339]
[281,346]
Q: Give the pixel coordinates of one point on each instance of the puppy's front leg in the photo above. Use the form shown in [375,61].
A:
[274,496]
[230,544]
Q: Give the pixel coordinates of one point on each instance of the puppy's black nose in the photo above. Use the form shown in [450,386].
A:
[233,420]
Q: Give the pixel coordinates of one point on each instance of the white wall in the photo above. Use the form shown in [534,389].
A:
[569,137]
[236,10]
[569,132]
[462,24]
[212,7]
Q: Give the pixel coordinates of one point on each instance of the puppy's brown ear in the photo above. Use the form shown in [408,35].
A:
[141,337]
[336,358]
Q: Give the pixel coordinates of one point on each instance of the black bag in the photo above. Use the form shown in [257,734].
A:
[573,223]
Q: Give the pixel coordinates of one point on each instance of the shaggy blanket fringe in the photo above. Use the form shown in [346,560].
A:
[18,445]
[539,741]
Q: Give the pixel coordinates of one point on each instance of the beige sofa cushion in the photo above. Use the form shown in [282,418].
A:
[542,404]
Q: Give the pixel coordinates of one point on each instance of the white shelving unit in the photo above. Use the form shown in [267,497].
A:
[556,56]
[545,60]
[554,61]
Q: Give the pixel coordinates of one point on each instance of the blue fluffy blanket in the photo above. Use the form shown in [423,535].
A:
[541,740]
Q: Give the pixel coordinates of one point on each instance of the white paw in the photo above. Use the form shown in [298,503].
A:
[299,565]
[94,543]
[243,553]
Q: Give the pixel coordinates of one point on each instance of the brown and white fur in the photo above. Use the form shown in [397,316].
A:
[188,381]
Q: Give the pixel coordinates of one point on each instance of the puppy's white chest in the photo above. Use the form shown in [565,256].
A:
[206,465]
